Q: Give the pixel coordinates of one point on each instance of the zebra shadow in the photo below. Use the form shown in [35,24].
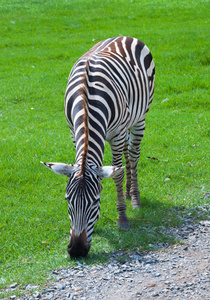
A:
[153,226]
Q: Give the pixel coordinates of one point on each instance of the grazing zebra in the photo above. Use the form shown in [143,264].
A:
[109,92]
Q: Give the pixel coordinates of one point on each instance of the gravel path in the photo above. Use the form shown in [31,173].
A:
[179,272]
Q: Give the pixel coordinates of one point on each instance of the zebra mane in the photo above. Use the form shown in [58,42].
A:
[83,94]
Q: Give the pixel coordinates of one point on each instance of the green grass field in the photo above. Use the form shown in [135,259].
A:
[39,43]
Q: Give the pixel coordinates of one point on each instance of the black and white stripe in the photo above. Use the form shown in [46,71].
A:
[109,92]
[83,211]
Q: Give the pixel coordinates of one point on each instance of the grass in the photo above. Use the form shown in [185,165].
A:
[40,41]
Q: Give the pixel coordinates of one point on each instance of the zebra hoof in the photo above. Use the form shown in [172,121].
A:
[124,226]
[136,204]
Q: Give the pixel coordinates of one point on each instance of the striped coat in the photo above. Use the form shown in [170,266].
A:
[109,92]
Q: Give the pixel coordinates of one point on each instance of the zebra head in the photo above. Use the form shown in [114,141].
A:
[83,193]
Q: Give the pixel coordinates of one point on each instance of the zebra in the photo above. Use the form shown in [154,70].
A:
[109,91]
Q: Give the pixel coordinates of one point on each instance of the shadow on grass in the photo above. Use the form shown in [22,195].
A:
[151,229]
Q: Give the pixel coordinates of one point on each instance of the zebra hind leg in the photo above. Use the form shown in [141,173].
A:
[137,133]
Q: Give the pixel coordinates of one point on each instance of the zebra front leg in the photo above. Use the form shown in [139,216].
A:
[122,222]
[137,133]
[117,151]
[128,168]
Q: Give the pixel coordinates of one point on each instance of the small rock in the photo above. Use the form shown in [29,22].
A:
[151,285]
[189,284]
[185,248]
[13,297]
[80,275]
[77,289]
[49,297]
[44,292]
[107,278]
[165,291]
[55,272]
[14,285]
[205,223]
[60,286]
[157,275]
[49,290]
[37,295]
[31,287]
[155,295]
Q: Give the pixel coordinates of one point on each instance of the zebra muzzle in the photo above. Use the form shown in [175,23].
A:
[78,245]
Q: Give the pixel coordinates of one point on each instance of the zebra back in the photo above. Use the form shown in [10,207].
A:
[110,88]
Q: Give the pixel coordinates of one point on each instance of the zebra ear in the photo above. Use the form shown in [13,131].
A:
[108,172]
[59,168]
